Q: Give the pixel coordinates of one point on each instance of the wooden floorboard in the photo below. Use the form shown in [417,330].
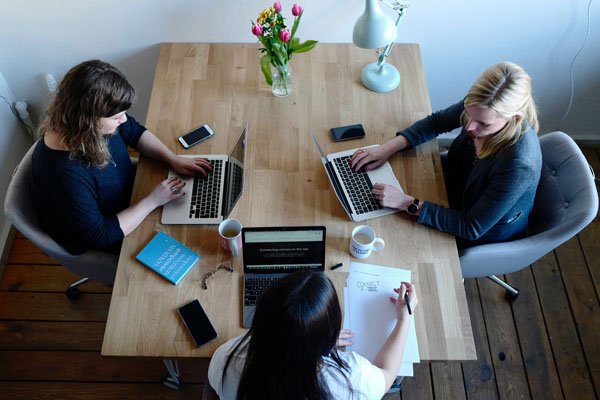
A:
[537,356]
[505,351]
[97,391]
[51,335]
[479,378]
[566,348]
[50,278]
[544,345]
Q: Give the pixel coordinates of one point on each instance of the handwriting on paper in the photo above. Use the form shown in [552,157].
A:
[368,286]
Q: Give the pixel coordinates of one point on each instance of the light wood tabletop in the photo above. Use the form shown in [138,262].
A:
[221,85]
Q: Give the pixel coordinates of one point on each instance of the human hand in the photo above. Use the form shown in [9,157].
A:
[370,158]
[400,301]
[166,191]
[390,196]
[345,338]
[190,166]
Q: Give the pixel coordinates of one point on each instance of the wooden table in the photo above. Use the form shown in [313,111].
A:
[221,85]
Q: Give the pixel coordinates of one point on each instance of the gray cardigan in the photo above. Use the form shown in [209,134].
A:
[490,198]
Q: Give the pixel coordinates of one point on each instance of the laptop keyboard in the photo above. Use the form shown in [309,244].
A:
[255,287]
[206,191]
[358,185]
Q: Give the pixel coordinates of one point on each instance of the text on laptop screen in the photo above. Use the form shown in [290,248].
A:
[298,249]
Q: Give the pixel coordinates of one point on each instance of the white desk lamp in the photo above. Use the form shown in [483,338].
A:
[373,30]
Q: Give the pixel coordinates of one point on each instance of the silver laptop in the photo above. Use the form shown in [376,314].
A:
[271,253]
[354,189]
[210,199]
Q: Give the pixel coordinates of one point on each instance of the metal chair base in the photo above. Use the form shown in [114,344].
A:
[73,291]
[511,292]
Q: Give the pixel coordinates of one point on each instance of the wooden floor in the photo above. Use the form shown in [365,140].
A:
[544,345]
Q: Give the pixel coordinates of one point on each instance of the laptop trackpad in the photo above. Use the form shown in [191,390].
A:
[248,315]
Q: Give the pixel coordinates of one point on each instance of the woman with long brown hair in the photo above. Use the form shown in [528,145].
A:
[82,173]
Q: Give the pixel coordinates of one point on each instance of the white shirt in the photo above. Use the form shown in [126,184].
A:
[367,380]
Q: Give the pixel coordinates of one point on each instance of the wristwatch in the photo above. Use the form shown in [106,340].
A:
[414,207]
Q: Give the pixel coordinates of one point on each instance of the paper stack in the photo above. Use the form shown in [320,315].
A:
[369,313]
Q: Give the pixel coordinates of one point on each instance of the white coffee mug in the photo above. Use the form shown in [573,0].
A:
[230,232]
[364,241]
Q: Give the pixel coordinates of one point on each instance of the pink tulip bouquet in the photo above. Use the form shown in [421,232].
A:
[279,43]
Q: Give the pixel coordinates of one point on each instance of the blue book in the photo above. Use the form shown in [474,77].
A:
[168,257]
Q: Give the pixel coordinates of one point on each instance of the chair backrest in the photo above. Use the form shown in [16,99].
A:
[19,208]
[566,201]
[566,190]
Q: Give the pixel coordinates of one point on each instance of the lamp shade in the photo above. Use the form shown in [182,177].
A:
[374,28]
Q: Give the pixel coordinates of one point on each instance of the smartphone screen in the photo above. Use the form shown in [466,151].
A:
[347,132]
[197,322]
[196,136]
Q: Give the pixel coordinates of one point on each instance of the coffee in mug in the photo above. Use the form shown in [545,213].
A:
[230,232]
[364,241]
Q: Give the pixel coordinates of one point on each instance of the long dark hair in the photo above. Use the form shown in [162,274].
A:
[296,324]
[89,91]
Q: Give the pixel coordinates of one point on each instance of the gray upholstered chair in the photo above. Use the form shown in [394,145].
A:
[18,207]
[566,201]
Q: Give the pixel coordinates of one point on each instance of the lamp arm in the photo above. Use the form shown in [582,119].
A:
[388,48]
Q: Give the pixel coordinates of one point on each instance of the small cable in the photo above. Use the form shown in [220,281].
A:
[16,114]
[587,34]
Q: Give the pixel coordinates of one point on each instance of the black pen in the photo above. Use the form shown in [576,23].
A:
[336,266]
[407,302]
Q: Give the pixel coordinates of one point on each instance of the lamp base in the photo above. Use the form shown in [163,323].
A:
[380,78]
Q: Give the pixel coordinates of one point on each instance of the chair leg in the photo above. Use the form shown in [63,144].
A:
[73,291]
[511,292]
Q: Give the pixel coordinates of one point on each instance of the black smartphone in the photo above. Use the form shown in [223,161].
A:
[196,136]
[197,322]
[347,132]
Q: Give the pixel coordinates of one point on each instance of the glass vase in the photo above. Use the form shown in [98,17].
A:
[282,80]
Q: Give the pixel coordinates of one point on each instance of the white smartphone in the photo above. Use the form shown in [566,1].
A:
[196,136]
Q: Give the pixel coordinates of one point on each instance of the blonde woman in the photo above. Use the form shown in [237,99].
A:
[492,168]
[82,173]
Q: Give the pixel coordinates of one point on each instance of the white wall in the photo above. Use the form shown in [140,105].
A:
[14,142]
[458,40]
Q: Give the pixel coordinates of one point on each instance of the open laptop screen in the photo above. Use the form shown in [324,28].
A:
[283,249]
[234,175]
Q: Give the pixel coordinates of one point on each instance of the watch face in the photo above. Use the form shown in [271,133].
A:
[412,209]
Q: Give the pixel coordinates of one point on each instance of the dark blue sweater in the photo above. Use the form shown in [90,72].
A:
[491,198]
[78,204]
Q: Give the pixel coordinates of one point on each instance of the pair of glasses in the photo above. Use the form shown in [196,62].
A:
[225,266]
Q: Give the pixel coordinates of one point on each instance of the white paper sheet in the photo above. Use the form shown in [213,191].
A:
[370,314]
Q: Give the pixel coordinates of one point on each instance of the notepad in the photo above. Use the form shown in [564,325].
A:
[369,313]
[169,258]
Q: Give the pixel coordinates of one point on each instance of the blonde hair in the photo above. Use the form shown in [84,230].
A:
[506,89]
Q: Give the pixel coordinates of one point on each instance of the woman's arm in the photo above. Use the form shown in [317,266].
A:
[169,189]
[149,145]
[389,357]
[502,192]
[375,156]
[419,132]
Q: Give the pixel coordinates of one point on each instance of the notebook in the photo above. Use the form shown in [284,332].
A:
[354,189]
[168,257]
[210,199]
[271,253]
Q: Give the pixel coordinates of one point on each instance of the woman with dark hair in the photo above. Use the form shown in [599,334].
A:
[290,350]
[82,173]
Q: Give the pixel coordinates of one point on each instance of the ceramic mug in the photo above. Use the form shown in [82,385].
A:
[230,235]
[364,241]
